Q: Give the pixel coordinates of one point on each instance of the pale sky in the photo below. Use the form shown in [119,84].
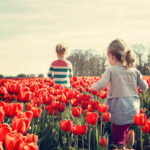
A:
[30,29]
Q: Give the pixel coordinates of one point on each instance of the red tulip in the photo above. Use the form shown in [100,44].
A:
[66,126]
[36,112]
[146,127]
[2,104]
[3,91]
[84,104]
[51,110]
[103,142]
[13,97]
[11,109]
[28,146]
[90,109]
[2,114]
[4,130]
[20,124]
[12,140]
[47,98]
[102,108]
[27,114]
[61,107]
[91,118]
[141,111]
[62,98]
[83,129]
[75,130]
[140,119]
[24,96]
[106,117]
[76,111]
[102,94]
[74,102]
[95,104]
[32,138]
[130,138]
[1,146]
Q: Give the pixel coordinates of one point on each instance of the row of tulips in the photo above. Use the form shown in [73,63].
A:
[30,105]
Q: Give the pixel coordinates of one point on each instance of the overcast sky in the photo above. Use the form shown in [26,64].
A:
[30,29]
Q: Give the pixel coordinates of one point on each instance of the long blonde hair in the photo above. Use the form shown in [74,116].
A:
[119,49]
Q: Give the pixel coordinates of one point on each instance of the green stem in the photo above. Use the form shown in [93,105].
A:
[101,134]
[83,142]
[69,145]
[76,142]
[89,137]
[141,140]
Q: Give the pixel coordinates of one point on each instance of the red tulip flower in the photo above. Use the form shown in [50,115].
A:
[83,130]
[84,104]
[74,102]
[61,107]
[103,142]
[146,127]
[3,91]
[66,126]
[106,117]
[4,130]
[140,119]
[95,104]
[130,138]
[91,118]
[27,114]
[12,140]
[32,138]
[28,146]
[36,112]
[1,146]
[76,111]
[51,110]
[75,130]
[21,125]
[102,108]
[2,114]
[11,109]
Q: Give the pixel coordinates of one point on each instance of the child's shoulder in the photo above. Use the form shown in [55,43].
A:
[63,63]
[118,68]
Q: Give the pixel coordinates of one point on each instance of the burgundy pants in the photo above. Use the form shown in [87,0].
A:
[119,133]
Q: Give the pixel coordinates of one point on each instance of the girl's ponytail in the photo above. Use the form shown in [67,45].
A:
[130,59]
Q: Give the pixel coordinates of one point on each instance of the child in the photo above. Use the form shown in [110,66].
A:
[61,69]
[122,96]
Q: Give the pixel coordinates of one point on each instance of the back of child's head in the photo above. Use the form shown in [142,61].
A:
[61,49]
[123,54]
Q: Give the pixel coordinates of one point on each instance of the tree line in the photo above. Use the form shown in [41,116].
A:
[90,62]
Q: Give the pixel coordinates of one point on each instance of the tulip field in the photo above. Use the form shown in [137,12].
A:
[36,114]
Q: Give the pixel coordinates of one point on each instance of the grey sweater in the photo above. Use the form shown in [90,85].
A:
[122,82]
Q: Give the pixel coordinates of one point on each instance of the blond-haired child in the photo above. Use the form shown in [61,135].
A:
[61,69]
[122,97]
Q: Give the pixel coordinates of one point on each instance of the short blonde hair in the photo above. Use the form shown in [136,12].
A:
[120,50]
[61,49]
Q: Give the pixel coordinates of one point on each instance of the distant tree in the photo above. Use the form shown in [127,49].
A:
[32,75]
[41,75]
[87,62]
[21,76]
[139,50]
[1,76]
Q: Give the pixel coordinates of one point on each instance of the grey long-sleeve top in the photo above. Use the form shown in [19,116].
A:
[122,82]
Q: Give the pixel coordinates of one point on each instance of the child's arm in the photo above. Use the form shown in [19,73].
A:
[141,82]
[102,83]
[50,72]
